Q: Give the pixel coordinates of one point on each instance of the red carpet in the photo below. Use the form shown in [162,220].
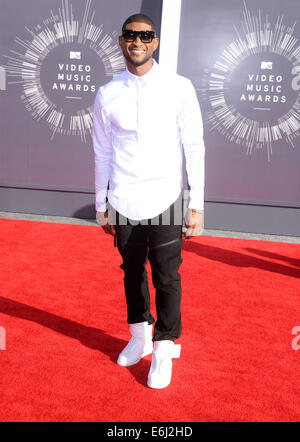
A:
[61,302]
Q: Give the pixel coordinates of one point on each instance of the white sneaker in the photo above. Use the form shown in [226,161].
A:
[140,344]
[160,373]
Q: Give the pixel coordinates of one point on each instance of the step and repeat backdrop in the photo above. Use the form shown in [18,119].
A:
[244,60]
[54,55]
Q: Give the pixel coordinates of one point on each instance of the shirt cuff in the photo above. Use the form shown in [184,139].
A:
[196,201]
[101,200]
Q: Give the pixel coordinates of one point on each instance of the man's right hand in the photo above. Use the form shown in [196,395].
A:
[103,220]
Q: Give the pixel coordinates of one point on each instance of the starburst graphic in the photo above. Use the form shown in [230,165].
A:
[253,88]
[58,67]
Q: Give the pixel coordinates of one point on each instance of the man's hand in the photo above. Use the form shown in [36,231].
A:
[103,220]
[194,222]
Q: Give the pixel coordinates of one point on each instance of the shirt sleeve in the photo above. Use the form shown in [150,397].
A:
[191,130]
[102,152]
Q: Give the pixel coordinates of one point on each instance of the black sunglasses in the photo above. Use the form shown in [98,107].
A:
[145,36]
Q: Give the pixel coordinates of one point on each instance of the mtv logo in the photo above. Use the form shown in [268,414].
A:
[75,55]
[266,65]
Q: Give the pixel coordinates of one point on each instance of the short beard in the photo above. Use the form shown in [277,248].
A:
[137,63]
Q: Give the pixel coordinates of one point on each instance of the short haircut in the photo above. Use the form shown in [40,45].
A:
[138,18]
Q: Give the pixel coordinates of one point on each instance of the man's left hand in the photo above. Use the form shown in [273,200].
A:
[194,222]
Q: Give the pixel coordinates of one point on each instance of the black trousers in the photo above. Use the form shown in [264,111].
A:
[161,244]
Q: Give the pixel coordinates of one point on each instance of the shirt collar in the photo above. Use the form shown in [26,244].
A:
[144,79]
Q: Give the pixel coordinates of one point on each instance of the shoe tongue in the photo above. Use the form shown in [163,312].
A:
[167,348]
[163,344]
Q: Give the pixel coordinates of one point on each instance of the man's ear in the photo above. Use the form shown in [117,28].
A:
[156,43]
[120,40]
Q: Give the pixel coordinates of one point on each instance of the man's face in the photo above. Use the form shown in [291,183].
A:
[138,53]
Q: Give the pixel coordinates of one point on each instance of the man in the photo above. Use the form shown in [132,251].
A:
[147,130]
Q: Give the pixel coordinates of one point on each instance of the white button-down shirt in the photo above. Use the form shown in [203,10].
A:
[147,133]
